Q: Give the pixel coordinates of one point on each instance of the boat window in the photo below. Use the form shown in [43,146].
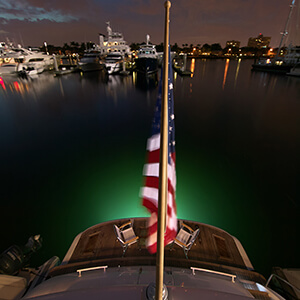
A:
[91,243]
[36,59]
[221,246]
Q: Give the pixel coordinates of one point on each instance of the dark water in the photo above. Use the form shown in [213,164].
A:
[72,151]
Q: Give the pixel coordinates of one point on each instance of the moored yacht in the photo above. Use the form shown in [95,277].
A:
[114,42]
[146,61]
[91,61]
[13,60]
[114,62]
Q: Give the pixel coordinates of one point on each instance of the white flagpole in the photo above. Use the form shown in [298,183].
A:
[163,166]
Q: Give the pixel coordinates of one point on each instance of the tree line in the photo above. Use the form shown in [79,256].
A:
[198,49]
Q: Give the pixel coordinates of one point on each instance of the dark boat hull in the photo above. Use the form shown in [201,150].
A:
[146,65]
[278,69]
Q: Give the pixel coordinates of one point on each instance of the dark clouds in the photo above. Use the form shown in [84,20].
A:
[192,21]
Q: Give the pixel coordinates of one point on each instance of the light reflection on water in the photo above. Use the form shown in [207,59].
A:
[73,148]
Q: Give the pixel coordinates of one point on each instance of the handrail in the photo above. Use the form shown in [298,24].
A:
[90,269]
[288,283]
[214,272]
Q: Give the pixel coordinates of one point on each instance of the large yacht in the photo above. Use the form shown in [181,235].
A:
[114,42]
[146,61]
[110,261]
[13,60]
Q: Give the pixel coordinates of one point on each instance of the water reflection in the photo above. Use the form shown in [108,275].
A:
[237,72]
[192,66]
[117,86]
[27,87]
[145,82]
[225,73]
[93,77]
[2,83]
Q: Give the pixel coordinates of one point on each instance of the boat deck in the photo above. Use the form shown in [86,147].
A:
[213,249]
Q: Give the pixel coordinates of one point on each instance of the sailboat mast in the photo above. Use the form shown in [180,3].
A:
[285,32]
[163,166]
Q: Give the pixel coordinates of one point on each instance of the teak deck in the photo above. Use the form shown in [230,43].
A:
[214,249]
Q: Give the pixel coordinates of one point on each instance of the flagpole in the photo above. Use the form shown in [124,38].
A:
[163,178]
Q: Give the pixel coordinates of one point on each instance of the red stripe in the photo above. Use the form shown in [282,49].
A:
[153,156]
[149,205]
[152,182]
[152,248]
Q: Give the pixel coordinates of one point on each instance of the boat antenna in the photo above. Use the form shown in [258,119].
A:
[163,166]
[285,32]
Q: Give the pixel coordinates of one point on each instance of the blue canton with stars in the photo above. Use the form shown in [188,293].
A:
[157,115]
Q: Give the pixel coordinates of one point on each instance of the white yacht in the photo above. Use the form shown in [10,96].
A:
[146,61]
[91,61]
[114,62]
[13,60]
[114,42]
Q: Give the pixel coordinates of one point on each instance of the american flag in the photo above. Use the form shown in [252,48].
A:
[151,171]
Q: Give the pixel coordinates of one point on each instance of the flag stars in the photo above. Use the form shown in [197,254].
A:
[171,86]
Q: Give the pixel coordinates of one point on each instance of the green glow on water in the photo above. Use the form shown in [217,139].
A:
[109,189]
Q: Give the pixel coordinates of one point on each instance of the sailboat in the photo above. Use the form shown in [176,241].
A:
[111,260]
[285,64]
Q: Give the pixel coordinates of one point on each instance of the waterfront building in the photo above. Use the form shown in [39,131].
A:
[233,44]
[259,42]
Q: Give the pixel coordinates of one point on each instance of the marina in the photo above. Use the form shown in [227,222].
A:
[74,133]
[72,164]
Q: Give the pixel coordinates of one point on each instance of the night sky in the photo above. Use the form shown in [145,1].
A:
[31,22]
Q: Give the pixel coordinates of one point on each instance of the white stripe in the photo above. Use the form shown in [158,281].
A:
[153,142]
[171,219]
[151,170]
[152,219]
[150,193]
[172,175]
[170,199]
[152,239]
